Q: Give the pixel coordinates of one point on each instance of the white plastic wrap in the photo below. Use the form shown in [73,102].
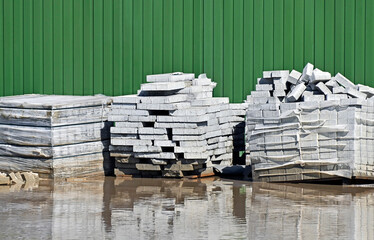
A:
[314,141]
[54,135]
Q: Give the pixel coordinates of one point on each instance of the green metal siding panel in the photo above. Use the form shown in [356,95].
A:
[108,48]
[167,35]
[188,14]
[349,31]
[289,40]
[98,42]
[237,80]
[330,60]
[96,46]
[38,60]
[228,44]
[48,47]
[138,44]
[117,48]
[128,67]
[8,47]
[198,39]
[77,48]
[88,85]
[148,38]
[248,58]
[18,47]
[217,73]
[278,34]
[58,55]
[208,36]
[158,38]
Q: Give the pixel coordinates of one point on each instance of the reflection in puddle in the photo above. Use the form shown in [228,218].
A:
[185,209]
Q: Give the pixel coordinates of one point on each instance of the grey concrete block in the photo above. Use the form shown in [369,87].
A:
[203,95]
[183,131]
[191,149]
[184,119]
[356,94]
[201,82]
[295,94]
[130,112]
[119,130]
[280,74]
[344,81]
[279,93]
[163,86]
[176,125]
[369,91]
[150,130]
[319,75]
[128,124]
[151,149]
[331,97]
[116,118]
[189,137]
[168,106]
[337,90]
[195,111]
[260,94]
[202,155]
[130,142]
[307,72]
[126,99]
[322,87]
[161,155]
[164,143]
[213,134]
[260,100]
[153,137]
[115,106]
[279,85]
[312,98]
[193,143]
[266,74]
[209,102]
[197,89]
[331,84]
[170,77]
[237,106]
[142,118]
[163,99]
[264,87]
[294,77]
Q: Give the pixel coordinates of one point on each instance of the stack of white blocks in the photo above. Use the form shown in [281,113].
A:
[55,136]
[174,127]
[317,127]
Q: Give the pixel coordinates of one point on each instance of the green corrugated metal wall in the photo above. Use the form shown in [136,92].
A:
[108,46]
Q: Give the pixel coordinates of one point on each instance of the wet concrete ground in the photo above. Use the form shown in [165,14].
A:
[211,208]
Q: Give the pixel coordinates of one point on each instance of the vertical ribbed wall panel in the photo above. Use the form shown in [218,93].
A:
[96,46]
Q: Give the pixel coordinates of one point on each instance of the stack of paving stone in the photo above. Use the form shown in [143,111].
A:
[55,136]
[173,127]
[310,126]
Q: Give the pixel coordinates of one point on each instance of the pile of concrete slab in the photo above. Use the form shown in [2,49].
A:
[55,136]
[310,126]
[174,127]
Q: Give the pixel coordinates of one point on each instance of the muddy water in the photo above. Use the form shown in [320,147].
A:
[185,209]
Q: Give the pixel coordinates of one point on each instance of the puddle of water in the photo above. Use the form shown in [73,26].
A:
[210,208]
